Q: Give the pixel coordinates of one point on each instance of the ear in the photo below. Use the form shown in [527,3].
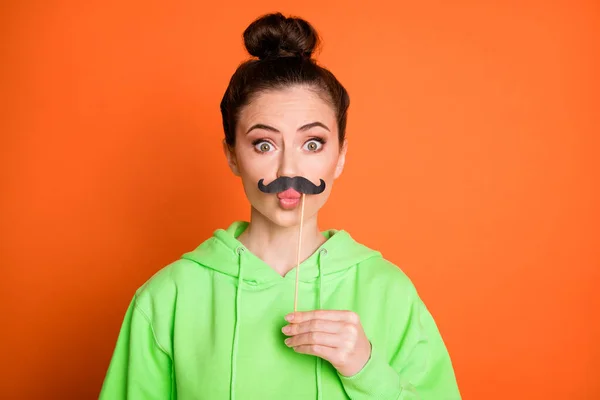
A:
[341,160]
[231,158]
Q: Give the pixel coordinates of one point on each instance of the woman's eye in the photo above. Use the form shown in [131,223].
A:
[313,145]
[263,147]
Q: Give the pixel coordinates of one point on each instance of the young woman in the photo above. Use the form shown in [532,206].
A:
[218,323]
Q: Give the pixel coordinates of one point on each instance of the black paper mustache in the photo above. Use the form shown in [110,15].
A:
[298,183]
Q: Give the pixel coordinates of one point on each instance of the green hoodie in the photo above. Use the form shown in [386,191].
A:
[208,326]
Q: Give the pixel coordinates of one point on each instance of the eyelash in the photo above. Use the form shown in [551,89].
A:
[315,138]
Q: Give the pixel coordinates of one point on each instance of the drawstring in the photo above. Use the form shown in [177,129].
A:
[322,252]
[236,329]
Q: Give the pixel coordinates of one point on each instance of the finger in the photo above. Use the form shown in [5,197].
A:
[327,353]
[313,325]
[332,315]
[320,338]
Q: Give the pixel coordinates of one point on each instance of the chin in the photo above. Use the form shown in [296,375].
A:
[286,219]
[283,218]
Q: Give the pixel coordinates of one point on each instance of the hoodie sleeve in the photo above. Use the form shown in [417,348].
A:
[140,368]
[420,366]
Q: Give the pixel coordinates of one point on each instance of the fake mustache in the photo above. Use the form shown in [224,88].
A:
[298,183]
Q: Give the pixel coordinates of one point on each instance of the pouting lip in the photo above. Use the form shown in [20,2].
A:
[289,194]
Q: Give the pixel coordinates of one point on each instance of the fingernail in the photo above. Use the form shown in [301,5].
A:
[286,329]
[289,317]
[287,341]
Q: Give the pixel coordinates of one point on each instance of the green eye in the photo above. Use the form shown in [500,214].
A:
[263,147]
[313,145]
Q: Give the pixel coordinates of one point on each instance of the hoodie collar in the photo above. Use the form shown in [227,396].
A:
[221,253]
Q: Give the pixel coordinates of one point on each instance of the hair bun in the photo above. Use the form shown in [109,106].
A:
[274,35]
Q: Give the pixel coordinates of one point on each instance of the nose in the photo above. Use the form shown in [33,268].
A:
[288,163]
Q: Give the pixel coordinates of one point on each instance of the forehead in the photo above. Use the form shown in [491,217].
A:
[289,106]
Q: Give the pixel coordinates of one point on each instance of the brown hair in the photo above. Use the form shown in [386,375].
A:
[284,48]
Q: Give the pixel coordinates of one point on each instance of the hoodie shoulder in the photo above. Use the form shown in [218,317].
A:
[161,288]
[382,273]
[372,266]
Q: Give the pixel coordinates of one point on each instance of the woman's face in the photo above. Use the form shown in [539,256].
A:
[288,132]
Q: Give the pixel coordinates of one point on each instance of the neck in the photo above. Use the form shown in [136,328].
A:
[277,245]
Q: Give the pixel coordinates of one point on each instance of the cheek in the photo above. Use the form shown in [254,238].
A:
[252,165]
[324,168]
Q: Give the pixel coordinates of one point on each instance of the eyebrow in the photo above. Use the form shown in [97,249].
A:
[301,129]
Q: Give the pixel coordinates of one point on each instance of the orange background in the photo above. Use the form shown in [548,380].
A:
[475,123]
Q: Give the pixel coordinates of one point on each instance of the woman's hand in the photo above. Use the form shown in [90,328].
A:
[336,336]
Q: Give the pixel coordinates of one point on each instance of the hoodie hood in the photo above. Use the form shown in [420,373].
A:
[221,253]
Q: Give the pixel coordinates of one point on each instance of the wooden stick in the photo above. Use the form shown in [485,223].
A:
[298,255]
